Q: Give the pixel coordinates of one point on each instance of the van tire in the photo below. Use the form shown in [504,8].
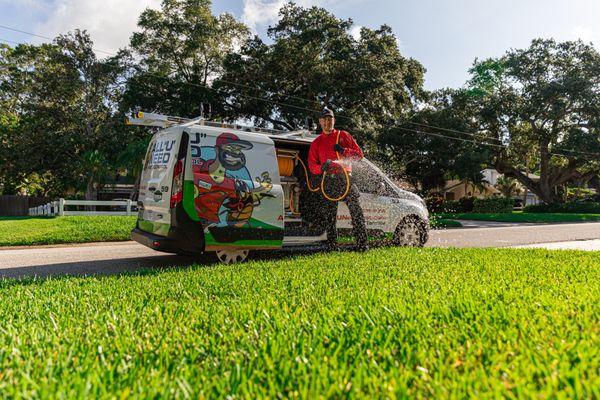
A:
[411,232]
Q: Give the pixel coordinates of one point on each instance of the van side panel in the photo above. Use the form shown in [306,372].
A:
[232,188]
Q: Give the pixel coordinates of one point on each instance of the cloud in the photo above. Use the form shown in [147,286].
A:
[586,34]
[262,13]
[355,31]
[109,22]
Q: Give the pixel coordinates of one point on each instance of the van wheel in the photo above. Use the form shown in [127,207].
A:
[411,231]
[232,256]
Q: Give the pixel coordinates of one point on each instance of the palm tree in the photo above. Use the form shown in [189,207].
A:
[508,186]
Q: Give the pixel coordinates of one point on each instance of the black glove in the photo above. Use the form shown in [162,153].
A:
[337,147]
[325,166]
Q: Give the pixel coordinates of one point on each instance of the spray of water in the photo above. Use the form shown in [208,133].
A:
[371,180]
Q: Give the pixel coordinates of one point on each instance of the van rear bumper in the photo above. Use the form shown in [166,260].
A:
[155,242]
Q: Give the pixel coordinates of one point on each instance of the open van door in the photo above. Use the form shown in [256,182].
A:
[156,182]
[233,188]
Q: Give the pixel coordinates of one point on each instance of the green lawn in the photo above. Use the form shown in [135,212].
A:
[439,223]
[425,323]
[15,231]
[524,217]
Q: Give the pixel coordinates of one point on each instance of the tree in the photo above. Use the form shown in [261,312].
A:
[544,103]
[508,186]
[176,55]
[313,61]
[415,149]
[65,99]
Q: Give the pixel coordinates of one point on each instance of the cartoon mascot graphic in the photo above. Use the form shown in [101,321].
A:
[223,197]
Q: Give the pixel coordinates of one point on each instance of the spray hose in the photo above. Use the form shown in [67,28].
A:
[322,186]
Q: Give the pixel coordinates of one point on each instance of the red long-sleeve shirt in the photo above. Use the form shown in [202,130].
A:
[321,150]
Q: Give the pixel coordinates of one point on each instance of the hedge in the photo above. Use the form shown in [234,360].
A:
[574,207]
[493,205]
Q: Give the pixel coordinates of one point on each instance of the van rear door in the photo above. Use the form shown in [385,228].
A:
[156,182]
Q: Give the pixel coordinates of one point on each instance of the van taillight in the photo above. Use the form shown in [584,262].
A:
[177,188]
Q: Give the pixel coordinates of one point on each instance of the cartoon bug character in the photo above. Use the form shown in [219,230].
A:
[219,192]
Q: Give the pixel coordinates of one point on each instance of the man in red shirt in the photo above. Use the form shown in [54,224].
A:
[331,153]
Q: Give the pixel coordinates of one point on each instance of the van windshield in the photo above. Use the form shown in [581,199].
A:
[370,180]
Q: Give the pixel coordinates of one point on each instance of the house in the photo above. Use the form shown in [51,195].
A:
[457,189]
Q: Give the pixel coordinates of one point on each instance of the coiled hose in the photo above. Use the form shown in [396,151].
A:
[322,186]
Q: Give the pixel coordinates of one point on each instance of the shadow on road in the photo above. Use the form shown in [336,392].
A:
[99,267]
[126,266]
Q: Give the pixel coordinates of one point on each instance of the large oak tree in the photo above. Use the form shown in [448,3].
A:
[313,60]
[543,102]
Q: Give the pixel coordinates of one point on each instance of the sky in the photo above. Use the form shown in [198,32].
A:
[444,35]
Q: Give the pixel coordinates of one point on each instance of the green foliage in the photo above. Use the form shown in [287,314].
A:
[508,186]
[418,323]
[581,194]
[544,101]
[65,99]
[493,205]
[524,217]
[18,231]
[463,205]
[418,153]
[434,202]
[313,60]
[574,207]
[132,156]
[33,184]
[176,53]
[440,223]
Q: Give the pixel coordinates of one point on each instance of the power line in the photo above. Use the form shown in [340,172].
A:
[482,143]
[450,130]
[451,137]
[47,38]
[489,138]
[313,111]
[114,54]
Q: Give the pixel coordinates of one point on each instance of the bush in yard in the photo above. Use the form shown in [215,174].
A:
[574,207]
[463,205]
[466,204]
[493,205]
[434,203]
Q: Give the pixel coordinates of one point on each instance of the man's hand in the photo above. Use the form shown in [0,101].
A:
[337,147]
[325,166]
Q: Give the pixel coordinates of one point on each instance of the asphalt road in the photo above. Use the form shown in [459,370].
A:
[113,258]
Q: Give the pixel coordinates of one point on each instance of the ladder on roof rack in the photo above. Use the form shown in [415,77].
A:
[142,118]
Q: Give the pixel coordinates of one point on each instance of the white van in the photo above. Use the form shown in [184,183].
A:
[212,187]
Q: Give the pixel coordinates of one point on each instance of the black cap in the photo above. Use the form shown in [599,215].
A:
[326,113]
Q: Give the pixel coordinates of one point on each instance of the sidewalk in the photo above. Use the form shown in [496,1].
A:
[588,245]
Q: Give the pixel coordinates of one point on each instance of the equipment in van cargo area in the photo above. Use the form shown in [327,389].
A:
[225,189]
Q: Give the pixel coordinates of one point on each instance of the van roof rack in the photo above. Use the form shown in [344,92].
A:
[143,118]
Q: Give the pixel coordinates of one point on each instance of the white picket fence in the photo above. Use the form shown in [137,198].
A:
[59,207]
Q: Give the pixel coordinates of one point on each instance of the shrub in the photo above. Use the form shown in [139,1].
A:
[493,205]
[464,205]
[574,207]
[434,203]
